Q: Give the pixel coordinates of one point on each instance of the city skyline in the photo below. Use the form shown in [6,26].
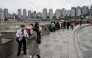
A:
[38,5]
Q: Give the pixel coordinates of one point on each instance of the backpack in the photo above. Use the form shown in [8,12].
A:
[38,40]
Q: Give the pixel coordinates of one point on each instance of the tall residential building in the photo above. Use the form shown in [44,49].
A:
[29,14]
[58,12]
[19,13]
[78,12]
[24,13]
[51,13]
[73,8]
[5,13]
[85,9]
[68,13]
[44,15]
[63,12]
[34,14]
[91,10]
[39,14]
[1,14]
[72,13]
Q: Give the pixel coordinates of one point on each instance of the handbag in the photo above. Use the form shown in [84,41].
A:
[17,39]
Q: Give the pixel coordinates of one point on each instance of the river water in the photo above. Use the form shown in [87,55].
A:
[13,27]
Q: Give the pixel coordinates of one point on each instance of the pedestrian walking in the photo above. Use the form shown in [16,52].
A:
[68,24]
[21,35]
[64,23]
[33,45]
[72,25]
[51,27]
[80,23]
[60,24]
[57,25]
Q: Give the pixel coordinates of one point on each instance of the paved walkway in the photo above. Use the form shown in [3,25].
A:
[58,44]
[85,41]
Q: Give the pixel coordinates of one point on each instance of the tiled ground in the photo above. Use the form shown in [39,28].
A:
[85,41]
[58,44]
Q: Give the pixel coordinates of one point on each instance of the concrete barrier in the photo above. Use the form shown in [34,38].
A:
[8,44]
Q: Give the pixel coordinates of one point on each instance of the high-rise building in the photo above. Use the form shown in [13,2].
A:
[58,12]
[78,12]
[44,15]
[51,13]
[6,13]
[63,12]
[91,10]
[39,14]
[73,8]
[34,14]
[19,13]
[24,13]
[72,13]
[1,15]
[29,14]
[85,9]
[68,13]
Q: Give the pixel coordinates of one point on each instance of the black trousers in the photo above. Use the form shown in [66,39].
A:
[20,46]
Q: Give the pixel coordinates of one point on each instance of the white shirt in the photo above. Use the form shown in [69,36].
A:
[19,32]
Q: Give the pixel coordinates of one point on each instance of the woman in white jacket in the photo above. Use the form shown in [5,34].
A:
[21,34]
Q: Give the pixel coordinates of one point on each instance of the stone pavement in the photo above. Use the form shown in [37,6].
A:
[58,44]
[85,41]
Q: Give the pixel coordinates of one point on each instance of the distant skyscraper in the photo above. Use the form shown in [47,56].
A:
[63,12]
[58,12]
[51,13]
[39,14]
[29,14]
[19,13]
[44,14]
[73,8]
[24,13]
[1,14]
[91,10]
[72,13]
[85,9]
[68,13]
[34,14]
[5,13]
[78,12]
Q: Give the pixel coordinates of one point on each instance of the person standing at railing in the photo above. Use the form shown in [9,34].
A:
[21,34]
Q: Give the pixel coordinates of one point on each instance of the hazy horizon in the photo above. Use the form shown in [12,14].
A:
[38,5]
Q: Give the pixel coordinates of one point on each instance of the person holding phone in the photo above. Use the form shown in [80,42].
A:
[21,34]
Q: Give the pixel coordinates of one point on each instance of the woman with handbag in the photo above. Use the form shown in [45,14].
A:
[34,47]
[21,39]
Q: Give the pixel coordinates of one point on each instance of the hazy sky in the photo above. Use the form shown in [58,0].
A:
[38,5]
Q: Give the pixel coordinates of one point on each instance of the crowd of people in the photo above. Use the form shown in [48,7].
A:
[34,35]
[63,25]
